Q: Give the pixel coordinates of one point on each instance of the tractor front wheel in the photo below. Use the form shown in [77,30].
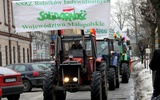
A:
[48,92]
[117,77]
[103,69]
[96,87]
[112,78]
[125,73]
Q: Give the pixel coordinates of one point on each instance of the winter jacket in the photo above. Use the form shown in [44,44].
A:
[155,61]
[155,66]
[76,47]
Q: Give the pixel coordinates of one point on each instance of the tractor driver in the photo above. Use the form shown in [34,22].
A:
[76,45]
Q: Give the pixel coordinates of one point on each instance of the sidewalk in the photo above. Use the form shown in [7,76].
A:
[143,82]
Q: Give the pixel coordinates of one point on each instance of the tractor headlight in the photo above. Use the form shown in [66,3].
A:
[112,52]
[90,58]
[66,79]
[75,79]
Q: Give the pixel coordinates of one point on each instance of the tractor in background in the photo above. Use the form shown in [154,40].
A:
[105,50]
[76,70]
[123,47]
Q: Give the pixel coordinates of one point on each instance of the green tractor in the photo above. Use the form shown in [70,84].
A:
[123,48]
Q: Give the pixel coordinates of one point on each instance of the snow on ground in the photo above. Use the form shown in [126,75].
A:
[143,82]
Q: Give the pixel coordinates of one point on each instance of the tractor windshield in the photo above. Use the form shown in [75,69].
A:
[102,47]
[72,48]
[116,47]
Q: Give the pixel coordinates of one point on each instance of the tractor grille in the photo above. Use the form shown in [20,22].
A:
[71,71]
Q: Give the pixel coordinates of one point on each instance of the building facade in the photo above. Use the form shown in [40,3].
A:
[40,44]
[14,47]
[23,47]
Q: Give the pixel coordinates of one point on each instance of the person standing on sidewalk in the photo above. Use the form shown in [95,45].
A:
[155,66]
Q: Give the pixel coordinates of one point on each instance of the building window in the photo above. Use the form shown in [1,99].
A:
[24,55]
[28,55]
[14,55]
[6,51]
[18,54]
[5,11]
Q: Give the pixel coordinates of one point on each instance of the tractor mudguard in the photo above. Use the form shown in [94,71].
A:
[99,59]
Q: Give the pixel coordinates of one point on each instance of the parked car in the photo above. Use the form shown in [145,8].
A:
[0,93]
[49,64]
[11,85]
[32,74]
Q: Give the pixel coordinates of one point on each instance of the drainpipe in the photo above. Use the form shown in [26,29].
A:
[30,59]
[9,29]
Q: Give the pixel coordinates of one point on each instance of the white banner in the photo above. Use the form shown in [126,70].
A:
[42,15]
[100,33]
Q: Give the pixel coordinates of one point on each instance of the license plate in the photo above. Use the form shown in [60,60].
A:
[44,74]
[10,80]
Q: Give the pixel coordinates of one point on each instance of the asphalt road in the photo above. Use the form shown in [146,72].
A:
[125,92]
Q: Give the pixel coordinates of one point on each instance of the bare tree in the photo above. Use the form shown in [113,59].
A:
[129,14]
[136,20]
[120,14]
[149,14]
[156,7]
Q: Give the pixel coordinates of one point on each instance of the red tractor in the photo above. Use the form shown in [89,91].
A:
[76,69]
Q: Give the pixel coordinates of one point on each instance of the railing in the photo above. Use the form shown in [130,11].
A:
[38,60]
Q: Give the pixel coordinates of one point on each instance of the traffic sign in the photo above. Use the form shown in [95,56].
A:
[53,37]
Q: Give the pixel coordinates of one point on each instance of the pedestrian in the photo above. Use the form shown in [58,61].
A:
[155,66]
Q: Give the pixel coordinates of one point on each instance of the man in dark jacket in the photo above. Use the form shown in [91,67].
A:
[76,45]
[155,66]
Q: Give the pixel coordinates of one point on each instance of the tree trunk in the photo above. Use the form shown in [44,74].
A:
[158,31]
[153,39]
[153,27]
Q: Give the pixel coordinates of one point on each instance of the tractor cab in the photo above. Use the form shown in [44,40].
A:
[71,52]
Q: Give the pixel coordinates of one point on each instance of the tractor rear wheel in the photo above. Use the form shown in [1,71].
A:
[96,87]
[112,78]
[125,73]
[117,77]
[103,69]
[48,92]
